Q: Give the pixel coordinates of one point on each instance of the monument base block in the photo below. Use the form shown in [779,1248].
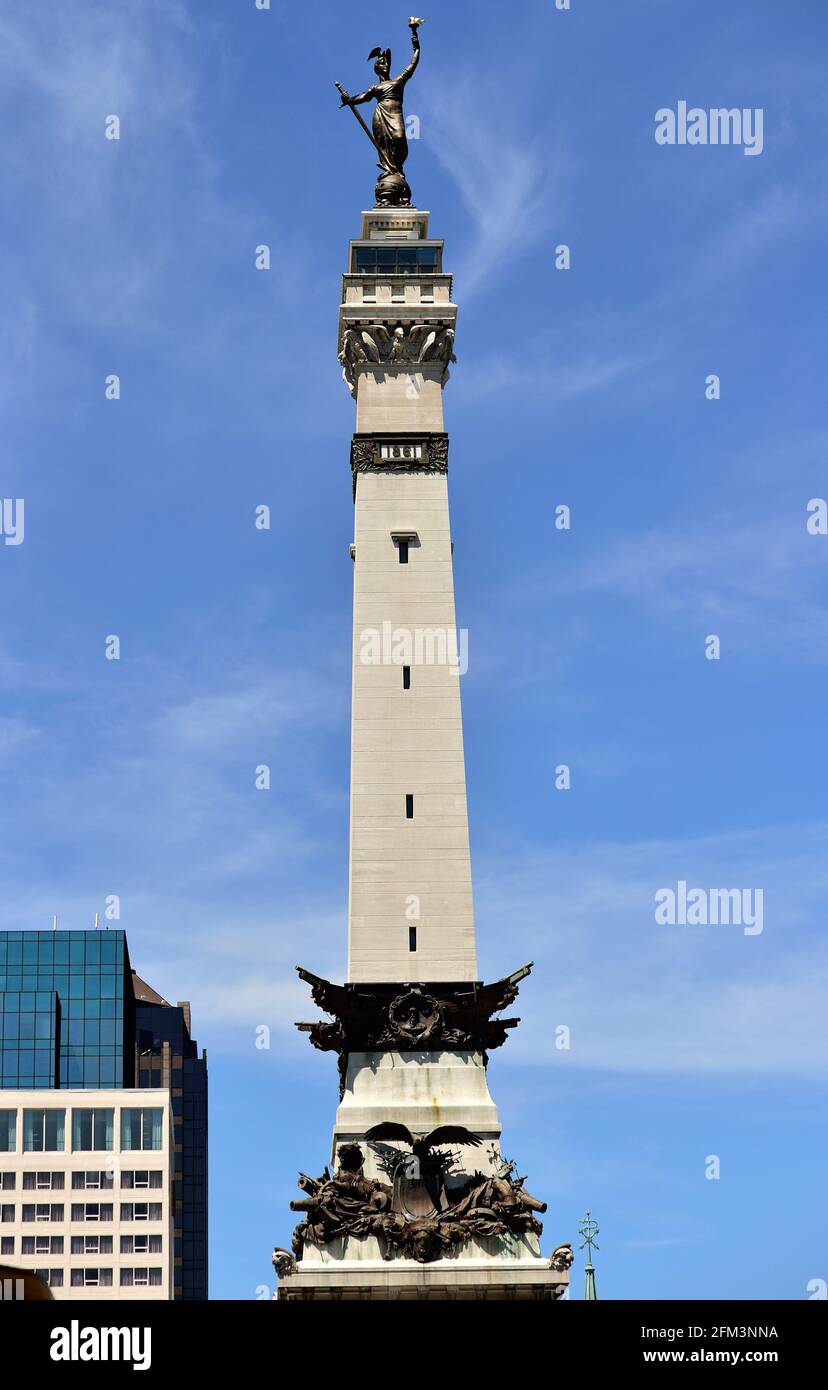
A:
[407,1281]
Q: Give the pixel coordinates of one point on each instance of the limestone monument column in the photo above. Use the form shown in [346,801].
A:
[419,1199]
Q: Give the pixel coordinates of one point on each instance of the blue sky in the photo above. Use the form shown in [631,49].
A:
[584,387]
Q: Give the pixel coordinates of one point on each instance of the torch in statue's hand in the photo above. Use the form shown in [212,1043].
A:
[415,23]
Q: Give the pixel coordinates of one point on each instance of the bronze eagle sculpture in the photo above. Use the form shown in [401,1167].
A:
[421,1148]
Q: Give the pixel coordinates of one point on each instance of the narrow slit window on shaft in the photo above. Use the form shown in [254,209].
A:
[412,938]
[409,805]
[402,547]
[406,677]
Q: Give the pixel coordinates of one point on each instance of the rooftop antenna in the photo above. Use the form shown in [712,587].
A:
[54,921]
[97,919]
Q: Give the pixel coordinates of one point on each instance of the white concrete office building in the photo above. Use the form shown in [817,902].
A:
[86,1194]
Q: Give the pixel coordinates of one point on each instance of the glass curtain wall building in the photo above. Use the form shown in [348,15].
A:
[65,1005]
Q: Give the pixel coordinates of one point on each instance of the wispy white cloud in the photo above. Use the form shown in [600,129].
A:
[153,798]
[760,580]
[649,999]
[543,376]
[504,184]
[63,72]
[752,230]
[136,240]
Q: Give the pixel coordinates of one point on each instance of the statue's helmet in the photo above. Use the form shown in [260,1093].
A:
[382,66]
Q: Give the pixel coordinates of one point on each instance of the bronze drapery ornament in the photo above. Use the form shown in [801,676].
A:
[387,132]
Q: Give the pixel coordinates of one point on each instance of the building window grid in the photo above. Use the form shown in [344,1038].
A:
[141,1128]
[91,1245]
[91,1278]
[395,260]
[93,1180]
[45,1181]
[41,1245]
[42,1211]
[141,1211]
[44,1130]
[93,1129]
[92,1211]
[135,1178]
[143,1244]
[141,1277]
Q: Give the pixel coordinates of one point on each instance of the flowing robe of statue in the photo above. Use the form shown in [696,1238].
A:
[388,124]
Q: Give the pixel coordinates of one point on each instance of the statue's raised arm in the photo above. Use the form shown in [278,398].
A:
[387,131]
[415,57]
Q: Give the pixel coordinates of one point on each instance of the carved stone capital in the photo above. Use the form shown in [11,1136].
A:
[402,345]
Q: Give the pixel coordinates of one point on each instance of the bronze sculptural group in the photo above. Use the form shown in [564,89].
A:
[387,132]
[434,1220]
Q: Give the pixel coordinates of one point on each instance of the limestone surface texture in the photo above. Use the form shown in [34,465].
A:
[410,871]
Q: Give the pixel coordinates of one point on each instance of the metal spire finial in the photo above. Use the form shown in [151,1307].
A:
[589,1228]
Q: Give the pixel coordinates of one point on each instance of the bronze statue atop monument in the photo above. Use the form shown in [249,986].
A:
[387,132]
